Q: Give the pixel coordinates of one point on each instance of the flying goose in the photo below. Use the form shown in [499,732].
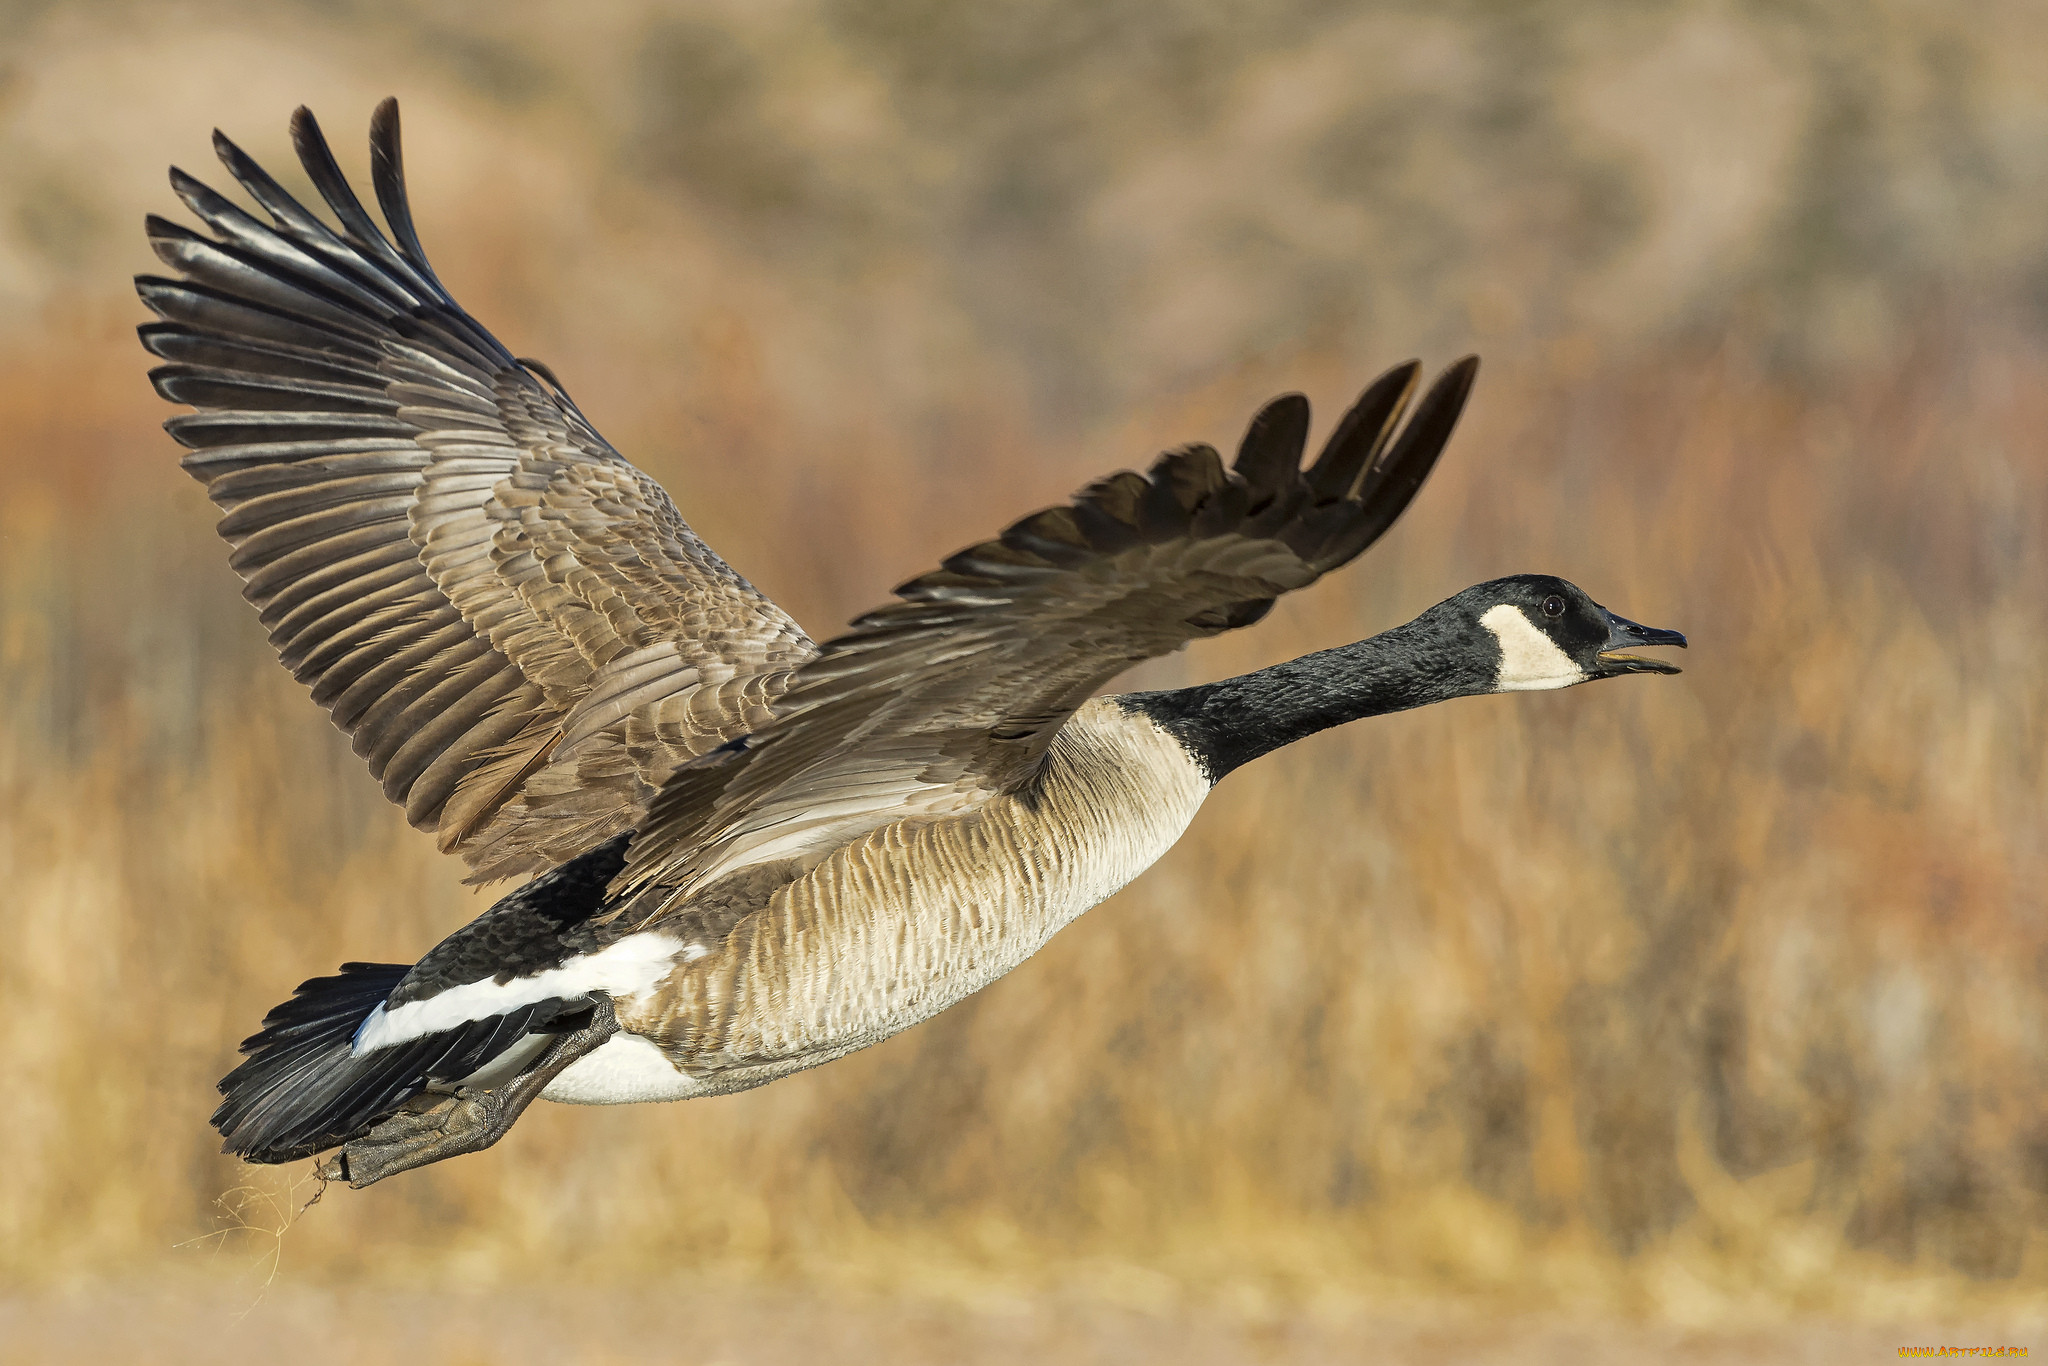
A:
[751,853]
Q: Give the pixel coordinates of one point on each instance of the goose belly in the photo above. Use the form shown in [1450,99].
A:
[624,1070]
[906,921]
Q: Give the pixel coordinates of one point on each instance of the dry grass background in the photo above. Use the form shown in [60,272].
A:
[1713,1001]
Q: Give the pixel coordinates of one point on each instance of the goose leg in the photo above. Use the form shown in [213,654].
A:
[463,1124]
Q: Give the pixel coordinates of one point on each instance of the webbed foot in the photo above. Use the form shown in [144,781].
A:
[429,1130]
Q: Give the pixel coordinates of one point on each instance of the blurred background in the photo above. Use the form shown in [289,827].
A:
[1703,1018]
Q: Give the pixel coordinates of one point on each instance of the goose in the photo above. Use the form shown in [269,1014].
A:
[748,852]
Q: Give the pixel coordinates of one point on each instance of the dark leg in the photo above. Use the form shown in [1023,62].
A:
[463,1124]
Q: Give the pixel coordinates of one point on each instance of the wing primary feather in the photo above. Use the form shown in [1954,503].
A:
[344,364]
[235,271]
[363,233]
[376,294]
[1361,433]
[1409,459]
[1400,472]
[1197,475]
[357,225]
[1162,515]
[1394,478]
[201,306]
[204,387]
[293,219]
[1052,536]
[1269,457]
[1107,532]
[387,174]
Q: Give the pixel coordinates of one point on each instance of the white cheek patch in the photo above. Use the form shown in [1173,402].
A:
[1530,661]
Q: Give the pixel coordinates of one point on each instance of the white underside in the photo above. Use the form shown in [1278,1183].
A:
[625,1070]
[508,1064]
[621,971]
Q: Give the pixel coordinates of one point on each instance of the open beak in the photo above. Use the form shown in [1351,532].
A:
[1623,634]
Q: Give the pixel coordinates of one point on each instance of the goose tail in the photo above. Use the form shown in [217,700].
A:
[302,1089]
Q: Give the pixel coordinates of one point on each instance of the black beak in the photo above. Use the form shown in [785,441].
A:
[1623,634]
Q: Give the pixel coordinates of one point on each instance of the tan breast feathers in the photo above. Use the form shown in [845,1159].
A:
[900,924]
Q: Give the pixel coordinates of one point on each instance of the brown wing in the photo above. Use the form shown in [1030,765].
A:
[933,703]
[514,624]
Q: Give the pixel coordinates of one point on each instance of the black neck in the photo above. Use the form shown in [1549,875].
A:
[1225,725]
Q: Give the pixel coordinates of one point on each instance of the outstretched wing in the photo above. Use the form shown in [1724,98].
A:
[514,624]
[931,704]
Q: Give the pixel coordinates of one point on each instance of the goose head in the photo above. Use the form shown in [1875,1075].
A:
[1518,634]
[1543,632]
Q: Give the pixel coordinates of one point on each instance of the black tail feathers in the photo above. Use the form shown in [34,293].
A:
[305,1088]
[281,1104]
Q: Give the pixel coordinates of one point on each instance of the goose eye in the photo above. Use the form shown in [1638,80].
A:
[1553,607]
